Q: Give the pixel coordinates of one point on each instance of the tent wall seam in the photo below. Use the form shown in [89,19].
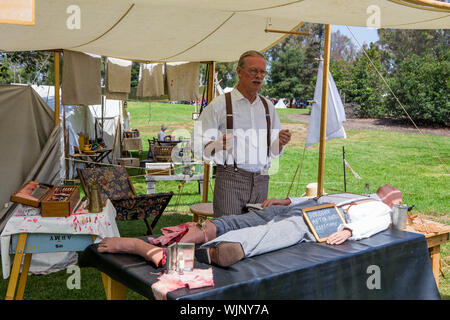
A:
[107,31]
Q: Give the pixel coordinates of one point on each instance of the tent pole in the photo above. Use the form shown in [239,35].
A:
[57,85]
[210,96]
[323,117]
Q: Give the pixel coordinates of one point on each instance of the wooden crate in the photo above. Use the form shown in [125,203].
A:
[25,194]
[156,169]
[52,207]
[128,162]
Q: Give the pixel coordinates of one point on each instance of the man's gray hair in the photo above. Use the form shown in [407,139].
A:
[250,53]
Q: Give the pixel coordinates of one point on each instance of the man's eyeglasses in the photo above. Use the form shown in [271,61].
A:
[254,72]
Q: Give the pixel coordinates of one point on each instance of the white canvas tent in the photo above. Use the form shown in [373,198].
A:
[200,30]
[280,104]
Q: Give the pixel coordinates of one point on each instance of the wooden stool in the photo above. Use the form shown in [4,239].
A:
[204,209]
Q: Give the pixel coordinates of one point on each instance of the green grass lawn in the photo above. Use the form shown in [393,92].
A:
[379,157]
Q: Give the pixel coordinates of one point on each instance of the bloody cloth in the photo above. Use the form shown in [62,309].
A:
[194,279]
[171,234]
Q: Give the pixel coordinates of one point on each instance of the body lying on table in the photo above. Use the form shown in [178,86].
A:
[228,239]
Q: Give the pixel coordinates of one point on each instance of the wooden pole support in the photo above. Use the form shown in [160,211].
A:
[57,85]
[323,119]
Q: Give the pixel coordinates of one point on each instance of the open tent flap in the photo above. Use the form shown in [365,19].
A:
[84,119]
[26,124]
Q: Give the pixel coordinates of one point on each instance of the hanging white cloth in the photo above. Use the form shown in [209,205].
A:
[335,112]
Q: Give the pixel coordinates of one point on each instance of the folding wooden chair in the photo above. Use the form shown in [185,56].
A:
[115,183]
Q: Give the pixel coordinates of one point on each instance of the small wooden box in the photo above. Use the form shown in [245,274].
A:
[60,202]
[31,193]
[165,169]
[128,162]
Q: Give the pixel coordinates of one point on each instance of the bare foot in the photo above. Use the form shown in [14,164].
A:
[117,244]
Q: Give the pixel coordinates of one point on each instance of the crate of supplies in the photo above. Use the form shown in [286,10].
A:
[60,201]
[31,193]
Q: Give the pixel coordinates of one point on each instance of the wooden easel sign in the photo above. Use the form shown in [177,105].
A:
[323,220]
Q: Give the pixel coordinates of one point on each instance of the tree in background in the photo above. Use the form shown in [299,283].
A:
[226,74]
[27,67]
[284,79]
[422,85]
[364,87]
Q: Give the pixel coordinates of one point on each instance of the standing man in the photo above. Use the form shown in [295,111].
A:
[240,131]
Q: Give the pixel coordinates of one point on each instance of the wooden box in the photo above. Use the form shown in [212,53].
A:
[60,202]
[165,169]
[31,193]
[128,162]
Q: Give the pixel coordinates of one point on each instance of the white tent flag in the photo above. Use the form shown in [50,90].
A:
[335,112]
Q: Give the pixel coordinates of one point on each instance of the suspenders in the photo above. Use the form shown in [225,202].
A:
[229,114]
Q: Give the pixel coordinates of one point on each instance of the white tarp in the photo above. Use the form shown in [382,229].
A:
[199,30]
[335,112]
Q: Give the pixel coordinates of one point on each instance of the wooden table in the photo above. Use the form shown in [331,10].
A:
[435,234]
[52,234]
[152,179]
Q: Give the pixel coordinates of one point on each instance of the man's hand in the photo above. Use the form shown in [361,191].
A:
[284,137]
[276,202]
[339,237]
[224,142]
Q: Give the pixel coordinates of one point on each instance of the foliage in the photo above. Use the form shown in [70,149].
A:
[27,67]
[422,84]
[365,87]
[284,80]
[226,74]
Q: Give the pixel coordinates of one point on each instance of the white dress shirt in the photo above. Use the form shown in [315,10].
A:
[250,131]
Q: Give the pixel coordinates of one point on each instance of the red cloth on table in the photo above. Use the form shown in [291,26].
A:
[171,234]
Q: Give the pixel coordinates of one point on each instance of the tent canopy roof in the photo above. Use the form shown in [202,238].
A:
[199,30]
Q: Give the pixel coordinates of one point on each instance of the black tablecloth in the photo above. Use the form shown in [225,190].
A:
[392,264]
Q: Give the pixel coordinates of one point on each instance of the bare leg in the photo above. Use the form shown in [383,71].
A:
[132,245]
[196,235]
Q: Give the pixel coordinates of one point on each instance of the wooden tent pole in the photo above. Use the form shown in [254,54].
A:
[57,85]
[323,119]
[209,97]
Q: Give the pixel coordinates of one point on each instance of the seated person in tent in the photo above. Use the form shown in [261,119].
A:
[228,239]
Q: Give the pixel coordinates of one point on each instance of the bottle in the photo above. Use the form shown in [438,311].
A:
[95,199]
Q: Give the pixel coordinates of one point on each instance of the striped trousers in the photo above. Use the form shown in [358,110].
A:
[234,189]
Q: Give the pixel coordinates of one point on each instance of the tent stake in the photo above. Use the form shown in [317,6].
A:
[343,164]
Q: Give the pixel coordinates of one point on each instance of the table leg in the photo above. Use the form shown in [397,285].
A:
[15,271]
[200,187]
[23,276]
[435,255]
[114,290]
[151,187]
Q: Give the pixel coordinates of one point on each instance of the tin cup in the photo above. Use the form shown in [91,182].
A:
[399,216]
